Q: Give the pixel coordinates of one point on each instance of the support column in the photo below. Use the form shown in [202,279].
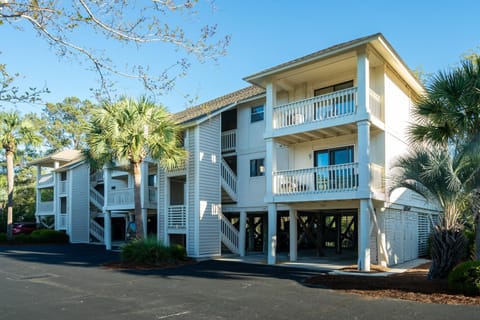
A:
[272,233]
[364,236]
[107,232]
[292,224]
[363,82]
[145,222]
[363,142]
[107,218]
[243,232]
[251,233]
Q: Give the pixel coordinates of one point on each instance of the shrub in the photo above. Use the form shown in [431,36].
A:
[465,278]
[3,237]
[150,251]
[48,236]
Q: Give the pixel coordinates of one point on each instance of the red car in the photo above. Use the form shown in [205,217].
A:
[24,227]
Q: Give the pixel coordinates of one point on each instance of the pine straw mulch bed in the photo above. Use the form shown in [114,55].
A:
[410,285]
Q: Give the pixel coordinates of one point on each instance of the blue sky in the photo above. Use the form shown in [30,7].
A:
[433,35]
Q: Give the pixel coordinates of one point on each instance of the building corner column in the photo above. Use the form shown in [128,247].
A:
[364,236]
[292,224]
[272,234]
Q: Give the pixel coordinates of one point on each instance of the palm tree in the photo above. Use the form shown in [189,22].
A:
[443,177]
[14,131]
[130,130]
[449,115]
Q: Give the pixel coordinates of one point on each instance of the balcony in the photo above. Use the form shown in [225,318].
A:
[328,106]
[335,107]
[123,197]
[46,180]
[45,207]
[177,217]
[330,182]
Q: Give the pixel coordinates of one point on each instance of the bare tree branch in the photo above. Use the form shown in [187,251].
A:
[137,23]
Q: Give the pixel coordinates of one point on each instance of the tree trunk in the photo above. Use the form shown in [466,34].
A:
[477,237]
[137,178]
[447,250]
[10,182]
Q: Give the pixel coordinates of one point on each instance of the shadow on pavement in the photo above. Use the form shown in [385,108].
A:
[84,255]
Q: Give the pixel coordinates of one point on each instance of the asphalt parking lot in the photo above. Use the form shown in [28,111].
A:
[69,282]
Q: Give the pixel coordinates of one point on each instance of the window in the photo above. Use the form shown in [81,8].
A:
[257,168]
[63,205]
[335,87]
[256,114]
[63,176]
[152,180]
[337,177]
[331,157]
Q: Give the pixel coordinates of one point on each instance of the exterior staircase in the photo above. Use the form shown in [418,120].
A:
[230,235]
[96,230]
[229,181]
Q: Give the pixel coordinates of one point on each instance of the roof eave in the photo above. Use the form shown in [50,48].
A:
[257,78]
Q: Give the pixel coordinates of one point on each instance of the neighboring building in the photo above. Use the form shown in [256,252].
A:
[72,197]
[297,163]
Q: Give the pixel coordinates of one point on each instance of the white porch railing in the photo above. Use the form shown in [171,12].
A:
[181,166]
[62,187]
[376,105]
[328,106]
[45,180]
[96,230]
[45,206]
[177,217]
[62,222]
[230,235]
[342,177]
[152,195]
[119,197]
[229,140]
[229,180]
[377,178]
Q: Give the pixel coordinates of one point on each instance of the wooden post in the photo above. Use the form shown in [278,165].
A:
[293,234]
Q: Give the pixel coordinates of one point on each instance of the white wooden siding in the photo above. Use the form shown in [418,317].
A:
[79,204]
[401,233]
[191,172]
[161,211]
[209,187]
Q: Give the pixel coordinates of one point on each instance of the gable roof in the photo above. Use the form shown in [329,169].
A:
[65,156]
[204,109]
[376,40]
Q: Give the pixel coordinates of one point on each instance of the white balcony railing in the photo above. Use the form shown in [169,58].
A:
[121,197]
[342,177]
[328,106]
[229,140]
[62,187]
[177,217]
[45,180]
[45,206]
[181,166]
